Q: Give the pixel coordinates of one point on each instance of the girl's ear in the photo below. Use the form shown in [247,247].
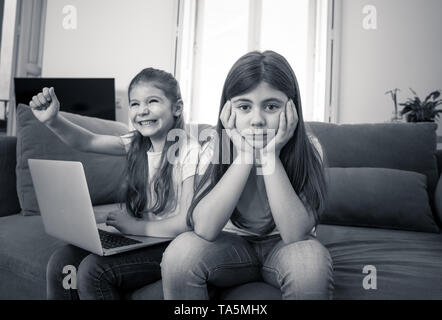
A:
[177,108]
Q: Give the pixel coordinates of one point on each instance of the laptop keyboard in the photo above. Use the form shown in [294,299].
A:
[111,240]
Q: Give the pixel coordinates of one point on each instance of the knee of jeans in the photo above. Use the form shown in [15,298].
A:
[60,259]
[308,252]
[89,271]
[182,253]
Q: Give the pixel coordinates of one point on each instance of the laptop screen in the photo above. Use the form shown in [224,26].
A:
[93,97]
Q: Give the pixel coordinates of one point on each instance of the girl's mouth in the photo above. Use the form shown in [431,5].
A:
[147,122]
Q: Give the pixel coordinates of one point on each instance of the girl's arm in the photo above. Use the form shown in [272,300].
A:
[45,106]
[84,140]
[291,217]
[215,209]
[167,228]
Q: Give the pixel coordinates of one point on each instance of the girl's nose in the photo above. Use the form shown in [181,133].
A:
[143,109]
[258,120]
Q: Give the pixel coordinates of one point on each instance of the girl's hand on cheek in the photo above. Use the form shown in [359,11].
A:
[122,221]
[292,118]
[288,122]
[227,118]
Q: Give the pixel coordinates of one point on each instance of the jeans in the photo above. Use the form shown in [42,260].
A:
[105,278]
[301,270]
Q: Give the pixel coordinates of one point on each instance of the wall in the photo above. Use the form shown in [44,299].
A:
[404,51]
[2,4]
[112,39]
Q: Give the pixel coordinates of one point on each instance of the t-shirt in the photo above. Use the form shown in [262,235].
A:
[253,213]
[184,167]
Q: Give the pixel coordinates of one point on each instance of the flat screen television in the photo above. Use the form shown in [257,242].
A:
[93,97]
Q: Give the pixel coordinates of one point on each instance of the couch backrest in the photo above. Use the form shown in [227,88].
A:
[403,146]
[104,173]
[410,147]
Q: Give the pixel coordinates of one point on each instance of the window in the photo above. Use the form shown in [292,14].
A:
[216,33]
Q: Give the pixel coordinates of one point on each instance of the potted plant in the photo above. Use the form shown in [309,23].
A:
[416,110]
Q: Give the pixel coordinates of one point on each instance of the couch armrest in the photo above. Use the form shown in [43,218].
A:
[9,203]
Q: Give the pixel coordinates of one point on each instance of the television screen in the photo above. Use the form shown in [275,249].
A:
[93,97]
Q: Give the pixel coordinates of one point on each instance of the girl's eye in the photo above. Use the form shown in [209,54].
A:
[133,105]
[272,107]
[243,107]
[153,101]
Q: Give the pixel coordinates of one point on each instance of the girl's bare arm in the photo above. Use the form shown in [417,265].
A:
[84,140]
[291,217]
[214,210]
[45,107]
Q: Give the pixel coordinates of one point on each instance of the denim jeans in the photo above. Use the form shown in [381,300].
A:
[104,278]
[301,270]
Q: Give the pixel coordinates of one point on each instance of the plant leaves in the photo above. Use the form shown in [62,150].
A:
[405,110]
[434,95]
[414,92]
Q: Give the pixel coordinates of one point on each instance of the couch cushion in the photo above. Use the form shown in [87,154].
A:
[35,140]
[24,252]
[8,193]
[408,264]
[377,197]
[403,146]
[25,249]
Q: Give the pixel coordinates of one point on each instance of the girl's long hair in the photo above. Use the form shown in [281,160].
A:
[159,195]
[302,162]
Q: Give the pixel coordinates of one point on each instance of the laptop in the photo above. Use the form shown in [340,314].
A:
[67,212]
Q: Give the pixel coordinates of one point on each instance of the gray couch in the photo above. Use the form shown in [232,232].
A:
[383,211]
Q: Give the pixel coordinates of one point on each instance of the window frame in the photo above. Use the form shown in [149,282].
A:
[188,52]
[333,61]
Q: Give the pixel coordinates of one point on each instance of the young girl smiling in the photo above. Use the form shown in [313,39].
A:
[158,191]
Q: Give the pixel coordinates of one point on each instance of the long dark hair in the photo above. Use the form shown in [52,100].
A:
[300,159]
[158,196]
